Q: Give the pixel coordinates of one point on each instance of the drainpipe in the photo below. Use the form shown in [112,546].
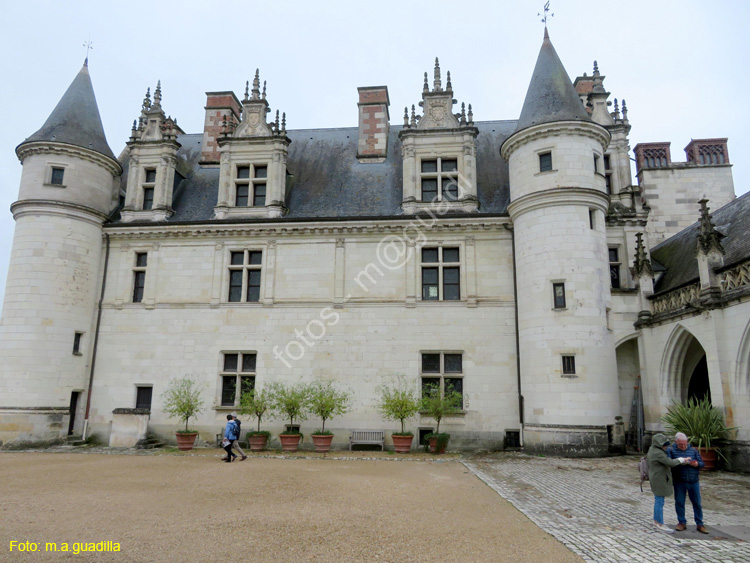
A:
[96,339]
[518,340]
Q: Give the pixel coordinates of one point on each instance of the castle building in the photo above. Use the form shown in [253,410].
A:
[512,261]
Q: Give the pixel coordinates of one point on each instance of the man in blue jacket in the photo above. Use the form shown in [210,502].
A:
[230,433]
[686,480]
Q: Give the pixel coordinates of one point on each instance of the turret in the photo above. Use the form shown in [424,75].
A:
[558,205]
[68,189]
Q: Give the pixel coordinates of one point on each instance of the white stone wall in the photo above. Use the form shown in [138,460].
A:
[314,321]
[85,182]
[673,195]
[53,284]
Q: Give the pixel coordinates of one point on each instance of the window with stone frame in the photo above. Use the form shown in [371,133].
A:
[614,268]
[77,337]
[143,396]
[56,176]
[250,185]
[245,276]
[545,162]
[148,188]
[237,376]
[441,274]
[442,372]
[568,365]
[608,173]
[139,276]
[439,179]
[558,295]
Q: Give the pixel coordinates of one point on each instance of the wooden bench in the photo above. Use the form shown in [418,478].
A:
[367,438]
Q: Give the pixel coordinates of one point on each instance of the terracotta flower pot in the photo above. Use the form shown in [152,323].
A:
[290,442]
[709,458]
[257,442]
[186,441]
[402,444]
[433,446]
[322,442]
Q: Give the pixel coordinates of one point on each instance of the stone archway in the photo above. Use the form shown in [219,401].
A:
[684,369]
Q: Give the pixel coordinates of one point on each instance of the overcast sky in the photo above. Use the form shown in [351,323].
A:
[681,66]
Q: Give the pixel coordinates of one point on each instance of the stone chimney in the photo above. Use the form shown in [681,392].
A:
[219,105]
[374,125]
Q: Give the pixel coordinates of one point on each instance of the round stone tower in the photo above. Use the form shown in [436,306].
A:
[68,189]
[558,205]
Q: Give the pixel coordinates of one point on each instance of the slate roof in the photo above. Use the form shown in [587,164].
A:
[678,253]
[551,95]
[327,181]
[75,120]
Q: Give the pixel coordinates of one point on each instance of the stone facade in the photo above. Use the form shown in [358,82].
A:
[357,255]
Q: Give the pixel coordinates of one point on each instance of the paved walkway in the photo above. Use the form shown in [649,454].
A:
[596,508]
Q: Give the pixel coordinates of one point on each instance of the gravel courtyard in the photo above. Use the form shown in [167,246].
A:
[196,508]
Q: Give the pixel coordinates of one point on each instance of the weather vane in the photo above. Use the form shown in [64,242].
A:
[89,45]
[546,9]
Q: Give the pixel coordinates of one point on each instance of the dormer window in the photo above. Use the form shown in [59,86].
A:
[439,179]
[439,153]
[250,186]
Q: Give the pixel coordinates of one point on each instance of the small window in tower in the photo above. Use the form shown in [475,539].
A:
[545,162]
[592,218]
[614,268]
[596,163]
[569,365]
[150,176]
[558,293]
[57,176]
[77,343]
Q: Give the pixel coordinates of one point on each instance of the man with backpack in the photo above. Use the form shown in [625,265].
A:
[686,480]
[230,435]
[236,444]
[660,478]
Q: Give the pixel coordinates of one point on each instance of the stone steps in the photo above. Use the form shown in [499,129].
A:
[150,442]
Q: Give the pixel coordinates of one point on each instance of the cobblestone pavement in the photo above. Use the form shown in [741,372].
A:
[595,507]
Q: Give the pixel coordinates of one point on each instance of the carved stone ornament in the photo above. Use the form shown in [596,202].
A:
[253,122]
[437,113]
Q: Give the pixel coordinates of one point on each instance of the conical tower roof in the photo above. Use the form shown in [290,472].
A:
[75,120]
[551,95]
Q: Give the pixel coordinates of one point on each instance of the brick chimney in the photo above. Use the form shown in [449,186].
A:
[374,125]
[218,105]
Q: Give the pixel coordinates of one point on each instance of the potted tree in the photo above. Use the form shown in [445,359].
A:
[258,404]
[438,406]
[399,403]
[182,399]
[702,423]
[326,402]
[294,402]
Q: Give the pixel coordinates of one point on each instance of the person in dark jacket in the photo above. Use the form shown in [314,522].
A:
[660,477]
[686,480]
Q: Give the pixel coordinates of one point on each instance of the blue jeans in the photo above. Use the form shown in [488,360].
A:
[659,509]
[694,491]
